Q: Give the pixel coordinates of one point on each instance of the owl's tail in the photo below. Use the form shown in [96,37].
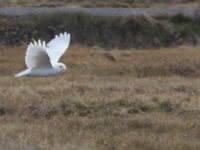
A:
[23,73]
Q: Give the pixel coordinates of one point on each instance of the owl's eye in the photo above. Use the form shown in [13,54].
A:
[61,67]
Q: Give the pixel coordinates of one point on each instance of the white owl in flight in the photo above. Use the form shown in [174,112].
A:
[42,59]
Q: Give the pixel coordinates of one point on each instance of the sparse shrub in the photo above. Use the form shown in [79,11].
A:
[105,31]
[180,18]
[5,111]
[166,106]
[144,108]
[133,110]
[38,112]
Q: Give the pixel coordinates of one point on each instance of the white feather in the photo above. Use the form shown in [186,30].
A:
[36,56]
[57,47]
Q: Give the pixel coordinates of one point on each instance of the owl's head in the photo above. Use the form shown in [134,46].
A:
[61,67]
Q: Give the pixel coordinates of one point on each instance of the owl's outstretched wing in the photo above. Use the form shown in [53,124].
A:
[36,55]
[57,47]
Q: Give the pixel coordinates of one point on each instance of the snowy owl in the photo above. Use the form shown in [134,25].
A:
[42,59]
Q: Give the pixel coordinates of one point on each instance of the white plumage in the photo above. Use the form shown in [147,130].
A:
[59,43]
[42,59]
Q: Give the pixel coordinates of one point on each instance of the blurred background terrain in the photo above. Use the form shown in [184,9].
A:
[100,3]
[132,80]
[139,26]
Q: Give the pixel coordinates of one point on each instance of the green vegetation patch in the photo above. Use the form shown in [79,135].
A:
[190,29]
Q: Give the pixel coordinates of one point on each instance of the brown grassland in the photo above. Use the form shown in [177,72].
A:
[108,99]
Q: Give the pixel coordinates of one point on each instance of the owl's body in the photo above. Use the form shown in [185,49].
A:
[43,72]
[42,60]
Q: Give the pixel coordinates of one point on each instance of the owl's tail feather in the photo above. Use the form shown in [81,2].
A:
[23,73]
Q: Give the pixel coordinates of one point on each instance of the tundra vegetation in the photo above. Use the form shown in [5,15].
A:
[138,31]
[132,83]
[130,99]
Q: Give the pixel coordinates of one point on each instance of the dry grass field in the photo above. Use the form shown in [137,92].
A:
[110,100]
